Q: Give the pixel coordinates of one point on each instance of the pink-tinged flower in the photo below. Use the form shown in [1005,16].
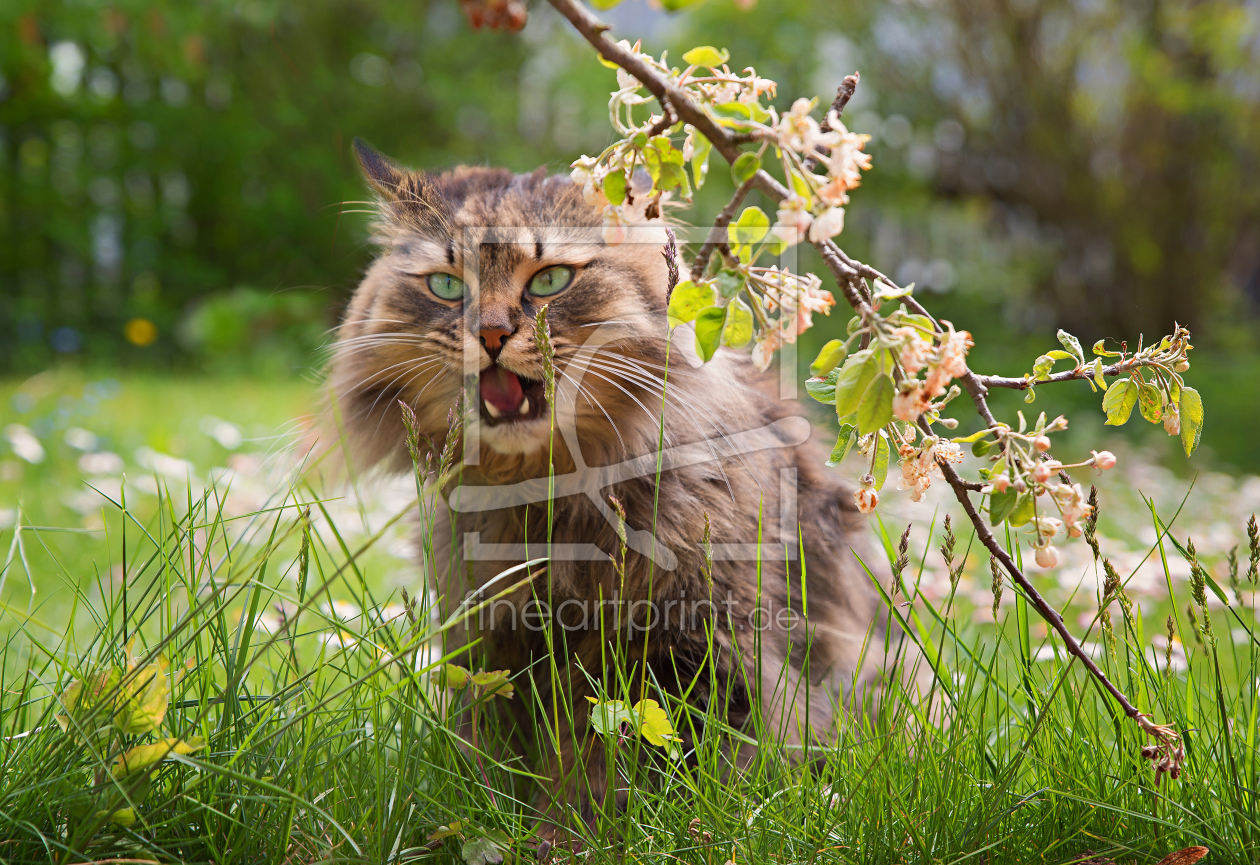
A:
[1047,527]
[763,351]
[827,225]
[794,220]
[1172,420]
[949,452]
[1042,443]
[1047,556]
[1000,483]
[800,132]
[1104,460]
[866,499]
[1041,473]
[584,175]
[915,350]
[847,161]
[908,404]
[755,86]
[834,192]
[614,226]
[1071,500]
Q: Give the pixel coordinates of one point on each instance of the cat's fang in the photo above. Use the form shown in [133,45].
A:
[524,409]
[492,411]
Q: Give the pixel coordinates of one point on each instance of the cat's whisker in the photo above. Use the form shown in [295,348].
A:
[377,376]
[592,400]
[689,411]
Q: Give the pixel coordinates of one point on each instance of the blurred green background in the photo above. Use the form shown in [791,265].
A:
[177,192]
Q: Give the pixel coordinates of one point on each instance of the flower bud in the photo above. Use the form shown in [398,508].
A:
[866,499]
[1172,421]
[1104,460]
[1182,366]
[1042,443]
[1000,483]
[1020,486]
[1047,556]
[1041,472]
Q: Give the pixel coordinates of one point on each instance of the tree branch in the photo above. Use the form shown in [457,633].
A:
[848,274]
[717,234]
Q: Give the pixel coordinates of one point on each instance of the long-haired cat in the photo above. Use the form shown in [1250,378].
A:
[701,458]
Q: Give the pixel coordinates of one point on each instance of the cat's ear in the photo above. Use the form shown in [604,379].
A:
[382,173]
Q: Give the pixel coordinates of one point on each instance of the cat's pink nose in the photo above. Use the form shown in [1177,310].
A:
[492,338]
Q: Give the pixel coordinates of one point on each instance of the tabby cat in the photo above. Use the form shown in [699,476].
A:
[468,258]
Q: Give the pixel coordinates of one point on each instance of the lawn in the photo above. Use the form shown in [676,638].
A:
[316,723]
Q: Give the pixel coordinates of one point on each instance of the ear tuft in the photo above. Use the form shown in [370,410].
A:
[382,173]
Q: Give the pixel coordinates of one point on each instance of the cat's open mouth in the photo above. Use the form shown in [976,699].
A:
[509,398]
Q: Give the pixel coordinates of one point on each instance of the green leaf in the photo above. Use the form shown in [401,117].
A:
[494,683]
[975,436]
[738,330]
[823,388]
[687,300]
[981,447]
[1073,345]
[709,323]
[752,226]
[145,700]
[1191,407]
[1001,504]
[123,816]
[443,832]
[142,757]
[875,409]
[481,851]
[608,716]
[1119,401]
[455,677]
[745,167]
[1151,402]
[1098,374]
[701,147]
[615,187]
[730,282]
[855,377]
[1025,509]
[675,5]
[706,55]
[673,176]
[89,704]
[732,114]
[655,726]
[883,451]
[801,187]
[603,5]
[1101,350]
[1045,363]
[844,441]
[1030,395]
[830,356]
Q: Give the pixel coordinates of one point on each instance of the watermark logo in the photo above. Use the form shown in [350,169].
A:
[592,481]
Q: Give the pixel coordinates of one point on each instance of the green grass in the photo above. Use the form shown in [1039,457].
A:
[329,737]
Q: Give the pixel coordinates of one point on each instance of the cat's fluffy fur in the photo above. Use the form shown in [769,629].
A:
[400,341]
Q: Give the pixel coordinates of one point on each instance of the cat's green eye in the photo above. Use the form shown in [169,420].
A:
[446,286]
[550,281]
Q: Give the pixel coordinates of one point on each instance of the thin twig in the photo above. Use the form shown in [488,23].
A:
[843,94]
[848,273]
[717,234]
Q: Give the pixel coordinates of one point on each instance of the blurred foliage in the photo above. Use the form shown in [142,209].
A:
[1091,164]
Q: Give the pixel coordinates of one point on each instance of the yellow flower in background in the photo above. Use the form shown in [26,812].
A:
[141,332]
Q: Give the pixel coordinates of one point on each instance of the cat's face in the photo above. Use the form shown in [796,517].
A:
[469,257]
